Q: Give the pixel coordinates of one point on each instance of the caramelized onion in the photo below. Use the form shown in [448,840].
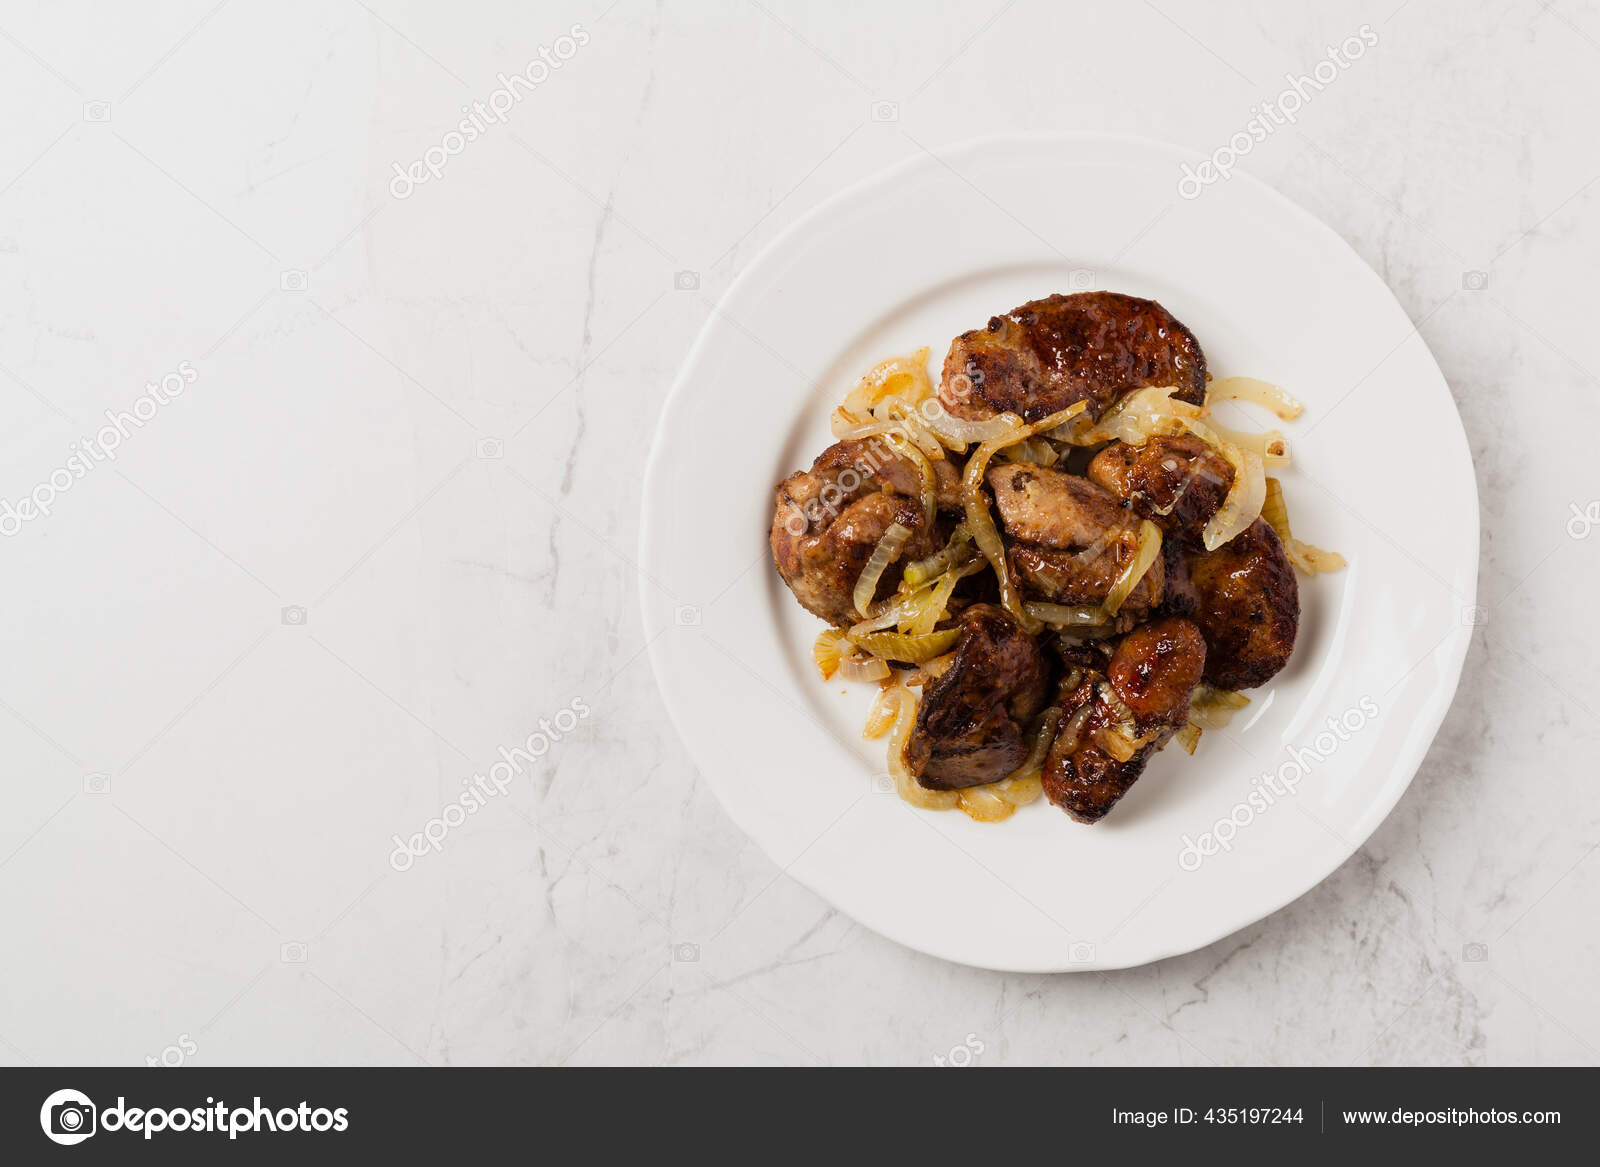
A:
[958,433]
[934,611]
[1119,743]
[923,570]
[1149,548]
[905,785]
[905,377]
[828,651]
[898,646]
[929,481]
[1242,506]
[1071,733]
[882,714]
[1301,554]
[1021,791]
[855,668]
[1211,708]
[885,553]
[981,522]
[892,612]
[1135,419]
[984,804]
[1271,445]
[909,425]
[1065,615]
[1049,722]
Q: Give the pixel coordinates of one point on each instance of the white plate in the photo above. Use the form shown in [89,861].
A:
[1382,474]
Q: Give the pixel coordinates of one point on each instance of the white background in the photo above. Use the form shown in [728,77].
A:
[199,798]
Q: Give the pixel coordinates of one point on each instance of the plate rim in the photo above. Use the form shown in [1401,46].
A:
[1454,648]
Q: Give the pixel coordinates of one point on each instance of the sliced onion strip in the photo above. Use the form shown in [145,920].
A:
[930,616]
[855,668]
[828,651]
[1135,419]
[1211,708]
[958,433]
[892,612]
[981,522]
[930,482]
[1071,733]
[907,422]
[1023,785]
[885,553]
[1302,555]
[1242,506]
[912,649]
[906,786]
[923,570]
[1271,445]
[880,718]
[1066,615]
[1149,548]
[904,376]
[984,804]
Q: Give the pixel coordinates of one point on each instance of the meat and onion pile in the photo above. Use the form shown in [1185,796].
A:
[1054,562]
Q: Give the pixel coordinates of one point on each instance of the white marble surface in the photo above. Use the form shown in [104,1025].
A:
[199,797]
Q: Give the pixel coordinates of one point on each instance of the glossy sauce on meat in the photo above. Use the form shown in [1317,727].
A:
[1048,354]
[1043,505]
[1086,577]
[1247,607]
[1177,482]
[1144,693]
[1071,538]
[972,724]
[828,520]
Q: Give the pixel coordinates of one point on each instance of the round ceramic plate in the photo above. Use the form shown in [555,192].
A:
[1202,845]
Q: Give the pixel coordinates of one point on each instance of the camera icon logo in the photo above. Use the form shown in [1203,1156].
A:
[97,783]
[882,784]
[1081,952]
[1080,279]
[489,448]
[686,281]
[68,1117]
[685,953]
[1474,615]
[686,616]
[885,111]
[97,111]
[1475,281]
[295,614]
[1475,953]
[293,280]
[293,952]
